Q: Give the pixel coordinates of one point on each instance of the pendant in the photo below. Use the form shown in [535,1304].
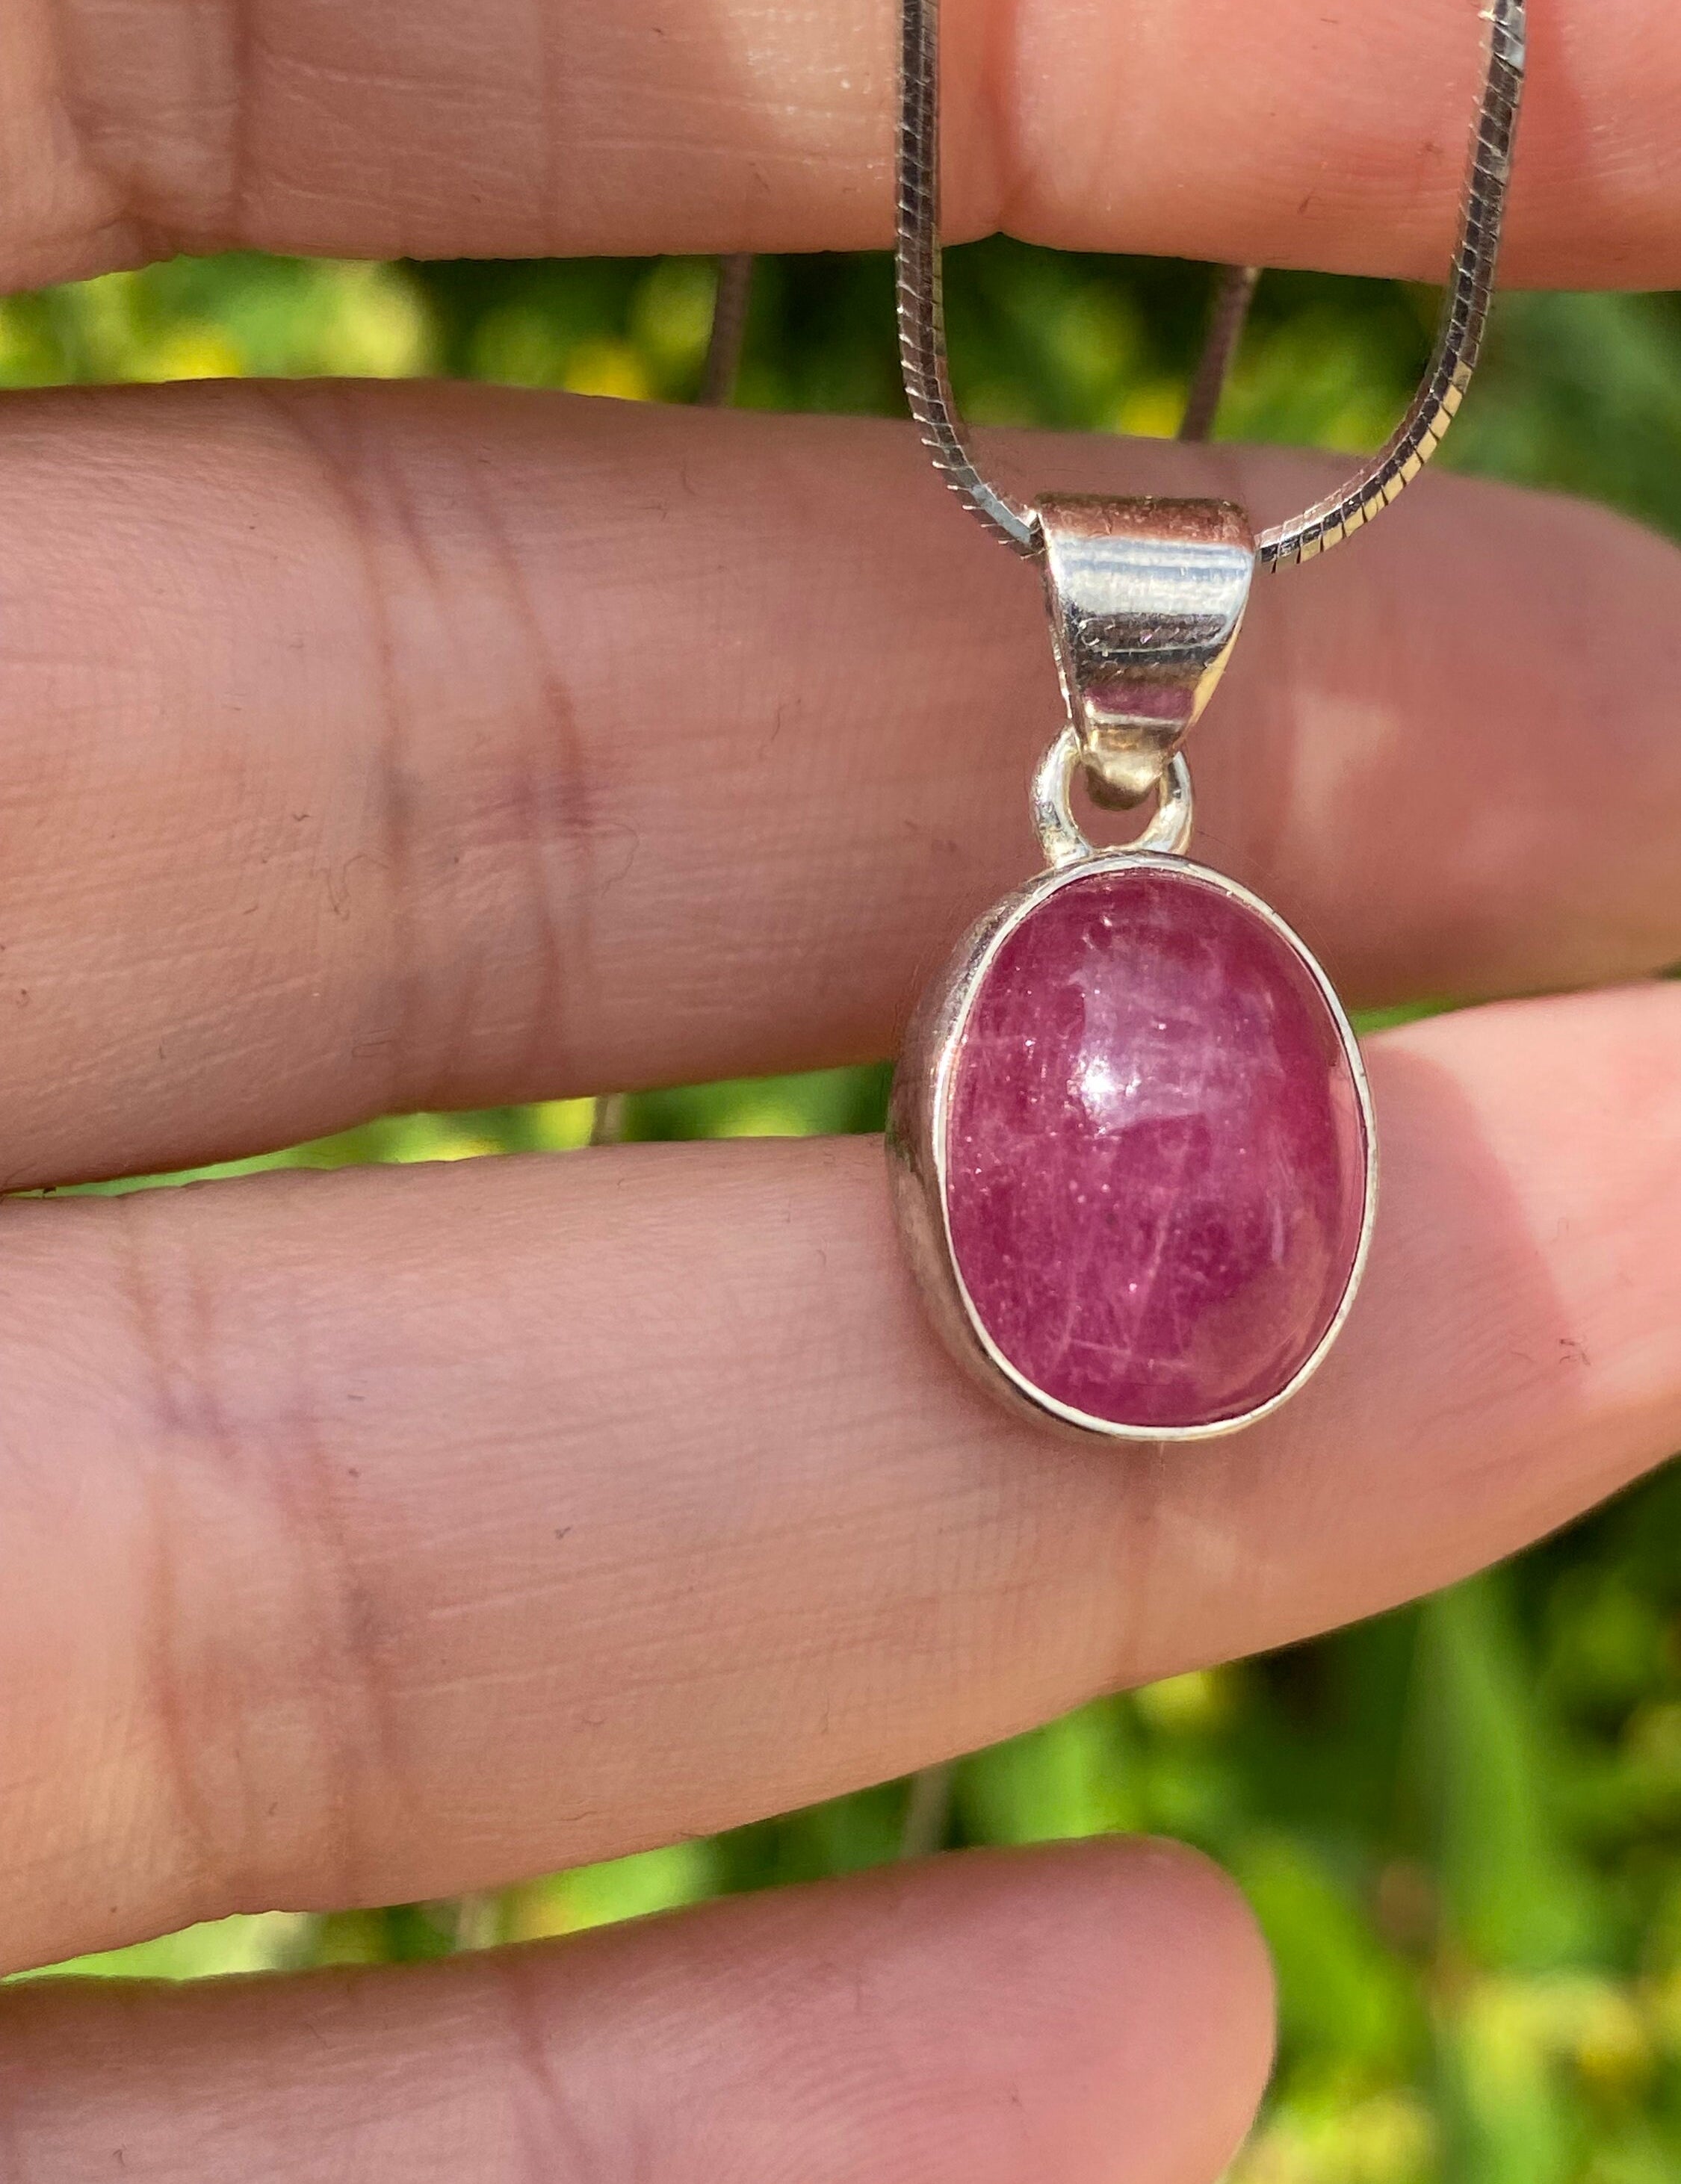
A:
[1131,1138]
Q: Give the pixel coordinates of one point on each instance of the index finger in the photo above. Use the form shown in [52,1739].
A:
[1287,135]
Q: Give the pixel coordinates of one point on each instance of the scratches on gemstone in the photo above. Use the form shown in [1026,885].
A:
[1156,1156]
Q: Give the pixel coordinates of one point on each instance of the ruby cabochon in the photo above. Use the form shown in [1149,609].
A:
[1133,1151]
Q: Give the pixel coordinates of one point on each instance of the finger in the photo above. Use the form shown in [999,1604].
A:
[1097,2016]
[375,1537]
[1200,129]
[455,749]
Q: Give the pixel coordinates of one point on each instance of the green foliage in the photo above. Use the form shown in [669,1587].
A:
[1460,1825]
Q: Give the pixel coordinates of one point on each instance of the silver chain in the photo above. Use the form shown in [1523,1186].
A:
[1459,344]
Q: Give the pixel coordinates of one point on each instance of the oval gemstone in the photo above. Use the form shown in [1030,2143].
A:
[1156,1154]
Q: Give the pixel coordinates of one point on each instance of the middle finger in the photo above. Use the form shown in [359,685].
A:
[368,749]
[411,1530]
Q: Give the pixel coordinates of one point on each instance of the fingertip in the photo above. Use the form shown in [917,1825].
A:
[1180,1998]
[1110,2002]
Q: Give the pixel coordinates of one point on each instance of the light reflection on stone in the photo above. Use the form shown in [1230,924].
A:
[1156,1157]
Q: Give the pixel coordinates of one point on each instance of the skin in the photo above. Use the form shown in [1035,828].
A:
[330,1574]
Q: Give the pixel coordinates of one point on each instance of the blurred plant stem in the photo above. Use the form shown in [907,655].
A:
[729,339]
[928,1812]
[478,1921]
[1234,298]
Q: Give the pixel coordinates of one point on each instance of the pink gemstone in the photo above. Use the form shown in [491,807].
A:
[1156,1155]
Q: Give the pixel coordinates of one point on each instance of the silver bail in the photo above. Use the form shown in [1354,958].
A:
[1145,597]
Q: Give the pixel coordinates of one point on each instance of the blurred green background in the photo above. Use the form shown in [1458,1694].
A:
[1461,1825]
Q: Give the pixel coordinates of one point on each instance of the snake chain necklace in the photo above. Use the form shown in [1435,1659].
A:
[1132,1143]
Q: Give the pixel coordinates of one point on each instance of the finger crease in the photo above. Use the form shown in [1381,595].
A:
[555,2146]
[551,805]
[328,429]
[273,1722]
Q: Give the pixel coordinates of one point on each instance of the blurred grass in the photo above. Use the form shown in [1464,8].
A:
[1460,1824]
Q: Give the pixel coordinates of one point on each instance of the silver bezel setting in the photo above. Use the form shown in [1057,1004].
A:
[916,1145]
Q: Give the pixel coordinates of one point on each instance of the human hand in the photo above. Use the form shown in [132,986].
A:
[392,1534]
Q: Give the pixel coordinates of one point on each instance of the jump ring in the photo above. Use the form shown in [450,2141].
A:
[1061,837]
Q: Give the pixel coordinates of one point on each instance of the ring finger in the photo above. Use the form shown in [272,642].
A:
[1097,2016]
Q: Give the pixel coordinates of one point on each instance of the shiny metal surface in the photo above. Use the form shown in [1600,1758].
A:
[916,1152]
[921,283]
[1146,600]
[1060,835]
[1459,344]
